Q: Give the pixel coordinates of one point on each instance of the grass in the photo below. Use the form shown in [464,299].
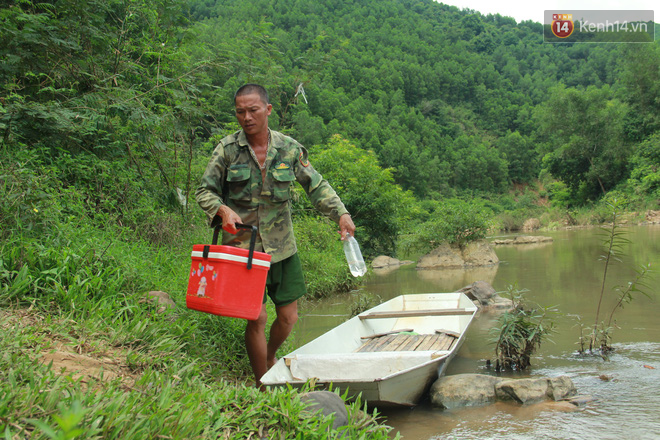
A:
[73,292]
[160,395]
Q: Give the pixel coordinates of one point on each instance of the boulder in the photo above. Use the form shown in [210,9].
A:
[327,403]
[383,261]
[484,295]
[581,400]
[652,217]
[461,390]
[444,256]
[464,390]
[523,391]
[163,299]
[476,253]
[523,239]
[527,391]
[560,388]
[479,291]
[479,253]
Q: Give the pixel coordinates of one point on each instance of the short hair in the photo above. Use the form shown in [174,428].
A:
[249,89]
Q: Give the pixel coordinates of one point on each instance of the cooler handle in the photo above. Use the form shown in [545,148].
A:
[253,239]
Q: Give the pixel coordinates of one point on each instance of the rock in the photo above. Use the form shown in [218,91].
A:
[561,387]
[329,404]
[484,295]
[528,391]
[443,256]
[383,261]
[163,299]
[522,390]
[499,303]
[652,217]
[463,390]
[523,239]
[479,291]
[477,253]
[579,400]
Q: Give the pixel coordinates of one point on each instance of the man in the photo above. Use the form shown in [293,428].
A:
[248,180]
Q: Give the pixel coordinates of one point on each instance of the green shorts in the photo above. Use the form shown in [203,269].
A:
[285,282]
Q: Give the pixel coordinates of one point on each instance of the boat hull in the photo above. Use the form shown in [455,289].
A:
[388,371]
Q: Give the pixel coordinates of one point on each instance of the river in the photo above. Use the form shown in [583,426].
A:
[566,273]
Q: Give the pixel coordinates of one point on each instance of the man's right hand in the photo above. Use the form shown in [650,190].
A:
[229,219]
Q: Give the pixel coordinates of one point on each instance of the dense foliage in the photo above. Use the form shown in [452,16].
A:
[428,121]
[453,102]
[126,100]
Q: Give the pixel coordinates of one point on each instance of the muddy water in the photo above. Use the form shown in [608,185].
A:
[567,274]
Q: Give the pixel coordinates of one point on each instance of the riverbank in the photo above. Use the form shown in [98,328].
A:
[74,318]
[132,378]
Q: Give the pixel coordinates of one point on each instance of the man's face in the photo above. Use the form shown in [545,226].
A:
[252,113]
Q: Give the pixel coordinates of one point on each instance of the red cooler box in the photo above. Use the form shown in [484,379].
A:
[226,280]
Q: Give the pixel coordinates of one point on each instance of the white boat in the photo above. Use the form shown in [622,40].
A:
[391,354]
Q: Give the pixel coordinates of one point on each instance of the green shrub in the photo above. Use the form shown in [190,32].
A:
[559,194]
[520,333]
[454,221]
[512,220]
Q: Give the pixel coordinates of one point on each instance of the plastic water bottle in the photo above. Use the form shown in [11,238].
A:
[354,257]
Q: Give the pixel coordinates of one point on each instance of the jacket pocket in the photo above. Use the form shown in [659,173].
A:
[282,180]
[238,183]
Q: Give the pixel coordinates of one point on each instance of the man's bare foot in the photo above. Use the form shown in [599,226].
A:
[271,362]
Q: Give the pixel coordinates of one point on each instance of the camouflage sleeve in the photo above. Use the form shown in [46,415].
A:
[209,193]
[319,191]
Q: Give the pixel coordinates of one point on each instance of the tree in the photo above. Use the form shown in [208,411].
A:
[379,207]
[583,134]
[520,155]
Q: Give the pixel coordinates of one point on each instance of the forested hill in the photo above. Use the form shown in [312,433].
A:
[455,103]
[451,100]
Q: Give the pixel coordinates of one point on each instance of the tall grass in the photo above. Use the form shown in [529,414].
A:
[175,401]
[614,239]
[74,273]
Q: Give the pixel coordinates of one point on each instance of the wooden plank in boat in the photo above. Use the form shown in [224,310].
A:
[374,344]
[426,343]
[445,342]
[441,342]
[399,341]
[411,342]
[448,332]
[415,313]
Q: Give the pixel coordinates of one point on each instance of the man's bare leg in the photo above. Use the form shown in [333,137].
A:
[287,316]
[255,345]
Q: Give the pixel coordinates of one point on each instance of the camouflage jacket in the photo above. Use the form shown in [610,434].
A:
[233,177]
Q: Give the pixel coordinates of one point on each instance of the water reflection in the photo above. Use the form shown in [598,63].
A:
[463,277]
[566,273]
